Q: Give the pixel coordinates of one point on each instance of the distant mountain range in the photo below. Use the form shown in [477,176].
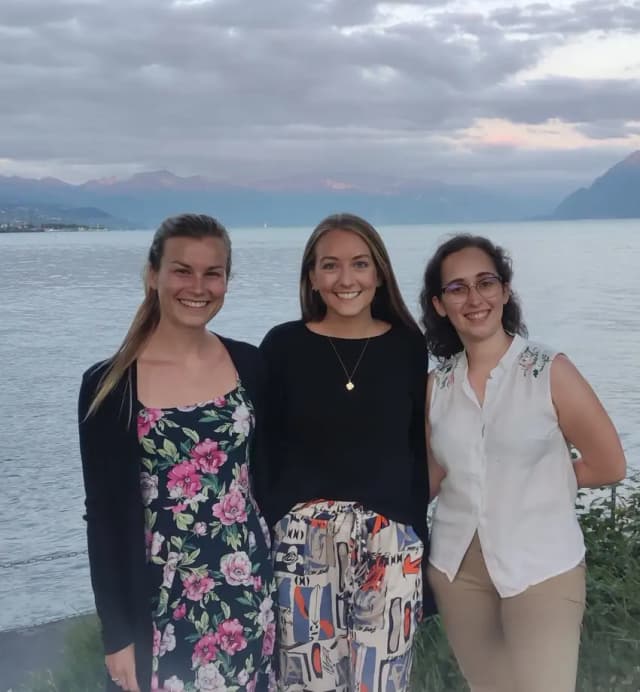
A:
[614,195]
[144,199]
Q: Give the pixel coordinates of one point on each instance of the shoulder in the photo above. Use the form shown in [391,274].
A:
[444,374]
[534,358]
[96,371]
[117,400]
[241,348]
[93,376]
[245,356]
[283,338]
[283,332]
[411,340]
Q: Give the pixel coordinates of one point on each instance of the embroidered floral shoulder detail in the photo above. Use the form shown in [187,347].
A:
[445,372]
[533,360]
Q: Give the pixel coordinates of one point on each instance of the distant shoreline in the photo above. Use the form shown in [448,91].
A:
[51,229]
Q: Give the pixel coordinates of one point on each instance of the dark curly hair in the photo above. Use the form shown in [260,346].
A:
[442,339]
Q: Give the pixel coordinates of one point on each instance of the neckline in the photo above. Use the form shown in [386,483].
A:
[133,374]
[507,358]
[347,338]
[191,407]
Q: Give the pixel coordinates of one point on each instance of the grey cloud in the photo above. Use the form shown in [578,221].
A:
[584,16]
[569,99]
[252,87]
[608,129]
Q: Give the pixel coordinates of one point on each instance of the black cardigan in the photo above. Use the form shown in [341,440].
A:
[110,454]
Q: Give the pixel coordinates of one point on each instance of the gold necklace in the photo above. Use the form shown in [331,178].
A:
[349,386]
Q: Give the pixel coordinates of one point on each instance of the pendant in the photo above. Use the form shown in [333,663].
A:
[349,386]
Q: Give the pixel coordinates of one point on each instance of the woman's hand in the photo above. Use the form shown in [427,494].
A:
[586,425]
[122,669]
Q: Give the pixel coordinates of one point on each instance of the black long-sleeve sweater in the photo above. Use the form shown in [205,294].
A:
[366,445]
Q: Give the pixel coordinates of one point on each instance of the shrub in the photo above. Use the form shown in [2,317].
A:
[610,649]
[610,646]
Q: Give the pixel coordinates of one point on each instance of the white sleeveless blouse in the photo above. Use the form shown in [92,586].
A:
[509,472]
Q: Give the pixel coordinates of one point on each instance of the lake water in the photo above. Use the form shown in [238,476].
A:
[66,300]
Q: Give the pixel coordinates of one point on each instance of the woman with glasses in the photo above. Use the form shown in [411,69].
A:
[507,556]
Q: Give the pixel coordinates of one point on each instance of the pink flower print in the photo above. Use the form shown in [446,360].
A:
[200,528]
[196,586]
[209,679]
[205,649]
[148,488]
[243,677]
[257,583]
[180,611]
[180,507]
[241,480]
[173,684]
[230,636]
[231,509]
[168,641]
[252,684]
[207,457]
[236,568]
[147,418]
[157,638]
[269,639]
[242,418]
[184,480]
[219,401]
[155,683]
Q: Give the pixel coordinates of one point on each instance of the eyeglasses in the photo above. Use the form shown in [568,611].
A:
[489,286]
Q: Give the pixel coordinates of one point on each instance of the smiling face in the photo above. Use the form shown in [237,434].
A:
[344,274]
[191,281]
[477,317]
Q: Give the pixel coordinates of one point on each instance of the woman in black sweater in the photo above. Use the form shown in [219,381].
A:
[178,551]
[348,486]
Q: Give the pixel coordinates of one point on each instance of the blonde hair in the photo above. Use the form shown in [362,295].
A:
[388,304]
[147,316]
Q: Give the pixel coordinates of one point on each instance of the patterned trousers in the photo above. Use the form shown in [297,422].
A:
[349,598]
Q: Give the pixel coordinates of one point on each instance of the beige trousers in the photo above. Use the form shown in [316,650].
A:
[524,643]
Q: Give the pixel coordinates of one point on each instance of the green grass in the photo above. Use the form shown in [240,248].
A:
[82,669]
[610,650]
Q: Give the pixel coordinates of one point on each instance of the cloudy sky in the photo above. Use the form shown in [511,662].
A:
[476,91]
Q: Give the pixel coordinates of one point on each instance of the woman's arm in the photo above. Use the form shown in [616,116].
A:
[272,351]
[586,425]
[420,477]
[99,452]
[436,472]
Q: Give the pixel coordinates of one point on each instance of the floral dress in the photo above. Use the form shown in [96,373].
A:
[207,549]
